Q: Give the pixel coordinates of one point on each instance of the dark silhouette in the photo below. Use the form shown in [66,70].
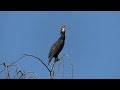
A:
[57,46]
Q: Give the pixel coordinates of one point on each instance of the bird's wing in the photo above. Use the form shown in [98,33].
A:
[59,45]
[50,56]
[53,49]
[56,48]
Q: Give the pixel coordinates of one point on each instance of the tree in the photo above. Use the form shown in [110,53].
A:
[21,74]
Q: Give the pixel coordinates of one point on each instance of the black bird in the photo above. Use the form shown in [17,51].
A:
[57,46]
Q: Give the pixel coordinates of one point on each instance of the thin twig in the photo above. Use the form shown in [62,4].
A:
[70,64]
[23,74]
[72,70]
[63,69]
[22,56]
[7,71]
[2,70]
[51,71]
[39,60]
[58,67]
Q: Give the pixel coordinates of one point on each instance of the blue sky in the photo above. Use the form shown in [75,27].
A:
[92,41]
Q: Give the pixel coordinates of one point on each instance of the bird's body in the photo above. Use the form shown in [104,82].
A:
[57,46]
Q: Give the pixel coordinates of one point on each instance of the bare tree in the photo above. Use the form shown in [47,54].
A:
[21,74]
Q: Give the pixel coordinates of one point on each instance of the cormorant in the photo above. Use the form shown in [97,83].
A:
[57,46]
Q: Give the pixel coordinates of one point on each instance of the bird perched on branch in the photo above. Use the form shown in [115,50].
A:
[57,46]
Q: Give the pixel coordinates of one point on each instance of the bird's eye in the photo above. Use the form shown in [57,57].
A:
[63,26]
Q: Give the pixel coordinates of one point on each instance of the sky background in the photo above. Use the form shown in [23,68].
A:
[92,42]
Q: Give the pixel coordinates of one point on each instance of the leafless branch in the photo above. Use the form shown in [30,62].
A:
[7,71]
[58,67]
[22,74]
[61,58]
[50,70]
[39,60]
[72,70]
[2,70]
[63,69]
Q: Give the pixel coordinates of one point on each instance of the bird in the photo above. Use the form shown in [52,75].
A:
[57,46]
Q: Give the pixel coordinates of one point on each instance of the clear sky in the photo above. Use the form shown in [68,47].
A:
[92,41]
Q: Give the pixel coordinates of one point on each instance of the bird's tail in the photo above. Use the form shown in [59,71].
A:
[49,61]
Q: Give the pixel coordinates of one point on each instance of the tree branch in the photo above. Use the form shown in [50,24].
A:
[51,71]
[39,60]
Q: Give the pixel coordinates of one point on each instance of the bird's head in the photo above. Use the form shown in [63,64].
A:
[63,29]
[63,32]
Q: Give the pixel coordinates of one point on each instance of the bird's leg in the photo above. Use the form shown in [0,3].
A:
[57,59]
[61,57]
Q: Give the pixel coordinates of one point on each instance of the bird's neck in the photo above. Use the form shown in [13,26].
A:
[62,36]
